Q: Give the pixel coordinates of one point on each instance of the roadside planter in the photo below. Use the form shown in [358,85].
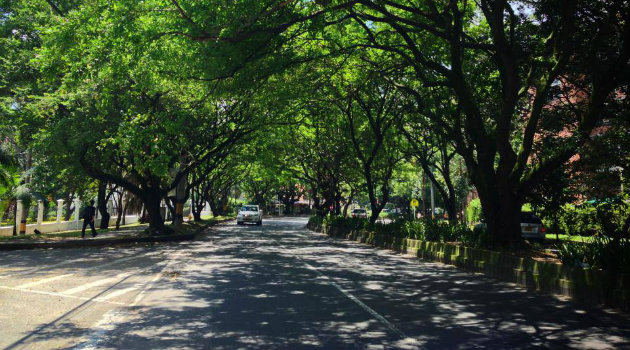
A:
[590,286]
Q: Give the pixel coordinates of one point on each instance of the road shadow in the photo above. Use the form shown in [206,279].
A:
[273,287]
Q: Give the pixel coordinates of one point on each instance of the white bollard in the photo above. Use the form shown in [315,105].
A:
[18,214]
[59,209]
[40,212]
[77,207]
[110,209]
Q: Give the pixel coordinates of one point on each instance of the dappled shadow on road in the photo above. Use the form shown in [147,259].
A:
[235,297]
[445,307]
[271,289]
[280,287]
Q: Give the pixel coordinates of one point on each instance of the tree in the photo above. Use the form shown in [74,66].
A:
[500,61]
[435,152]
[372,108]
[126,120]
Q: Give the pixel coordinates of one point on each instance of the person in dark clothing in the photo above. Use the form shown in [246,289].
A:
[88,219]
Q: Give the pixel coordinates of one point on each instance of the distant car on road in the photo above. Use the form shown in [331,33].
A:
[359,213]
[532,227]
[249,213]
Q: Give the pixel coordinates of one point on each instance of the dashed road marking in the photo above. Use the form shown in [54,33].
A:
[42,281]
[101,282]
[59,295]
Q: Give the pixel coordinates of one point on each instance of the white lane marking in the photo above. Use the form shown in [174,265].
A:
[96,283]
[113,317]
[350,296]
[59,295]
[376,315]
[42,281]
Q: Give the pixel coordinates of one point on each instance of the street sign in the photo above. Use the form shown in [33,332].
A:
[414,202]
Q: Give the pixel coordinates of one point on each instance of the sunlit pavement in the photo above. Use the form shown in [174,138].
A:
[277,286]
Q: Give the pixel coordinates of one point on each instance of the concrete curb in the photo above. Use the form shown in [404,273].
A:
[75,243]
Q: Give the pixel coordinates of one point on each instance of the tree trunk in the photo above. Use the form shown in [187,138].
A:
[451,210]
[152,201]
[503,218]
[124,214]
[15,218]
[223,202]
[46,207]
[119,210]
[69,210]
[180,200]
[213,207]
[101,202]
[423,195]
[170,210]
[348,202]
[196,215]
[197,204]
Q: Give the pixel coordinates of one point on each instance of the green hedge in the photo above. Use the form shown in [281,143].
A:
[605,218]
[426,230]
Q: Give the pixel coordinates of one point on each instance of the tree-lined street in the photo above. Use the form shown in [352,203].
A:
[277,286]
[493,135]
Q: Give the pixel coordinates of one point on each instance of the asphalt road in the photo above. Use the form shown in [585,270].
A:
[277,286]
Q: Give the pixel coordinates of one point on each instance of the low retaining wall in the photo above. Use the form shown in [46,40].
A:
[50,227]
[594,287]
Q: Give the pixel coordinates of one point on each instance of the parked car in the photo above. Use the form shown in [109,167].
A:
[532,227]
[249,213]
[359,213]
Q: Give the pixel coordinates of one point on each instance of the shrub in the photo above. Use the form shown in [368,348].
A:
[315,223]
[473,211]
[414,229]
[394,229]
[606,218]
[345,224]
[602,253]
[437,231]
[611,217]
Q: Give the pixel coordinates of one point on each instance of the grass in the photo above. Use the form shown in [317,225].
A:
[584,239]
[67,234]
[216,218]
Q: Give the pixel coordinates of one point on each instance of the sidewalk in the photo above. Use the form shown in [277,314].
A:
[131,234]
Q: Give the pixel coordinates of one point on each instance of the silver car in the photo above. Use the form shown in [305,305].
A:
[249,213]
[359,213]
[532,227]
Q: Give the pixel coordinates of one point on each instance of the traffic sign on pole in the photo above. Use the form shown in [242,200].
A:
[414,204]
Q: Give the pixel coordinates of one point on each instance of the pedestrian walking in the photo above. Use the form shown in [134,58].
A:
[88,219]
